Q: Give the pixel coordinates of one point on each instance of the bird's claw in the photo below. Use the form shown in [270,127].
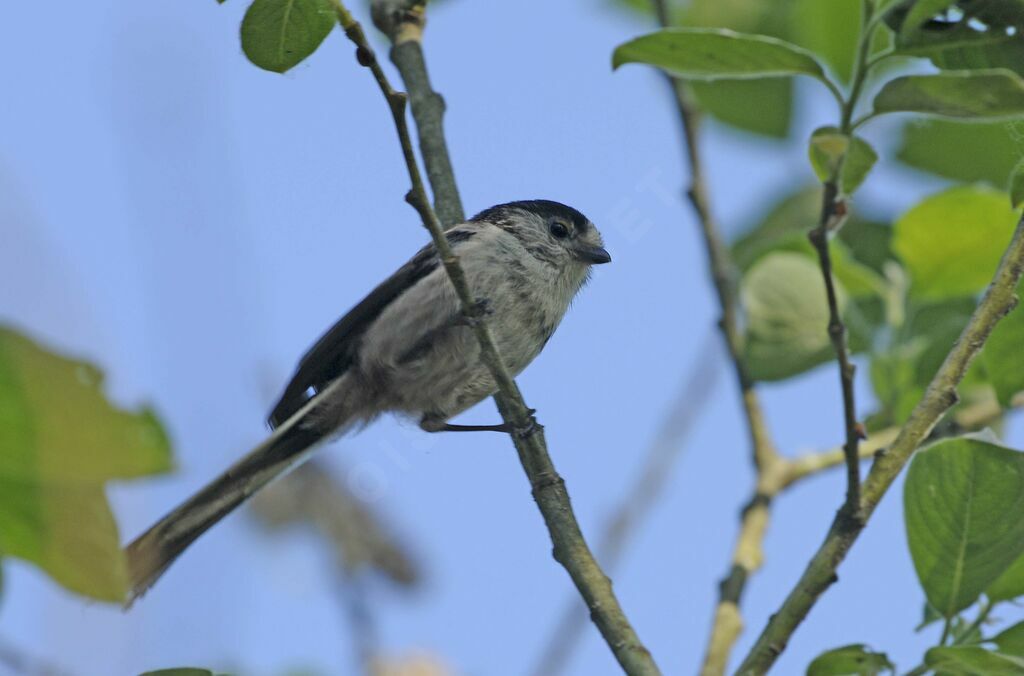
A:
[475,314]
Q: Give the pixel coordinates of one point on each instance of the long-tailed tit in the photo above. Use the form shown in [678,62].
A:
[406,348]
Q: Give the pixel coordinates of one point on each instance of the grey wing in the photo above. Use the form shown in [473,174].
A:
[336,350]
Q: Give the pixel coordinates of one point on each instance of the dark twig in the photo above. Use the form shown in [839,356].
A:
[634,508]
[940,396]
[403,22]
[833,213]
[747,555]
[833,210]
[570,548]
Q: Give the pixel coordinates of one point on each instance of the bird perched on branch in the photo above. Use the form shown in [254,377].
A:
[407,348]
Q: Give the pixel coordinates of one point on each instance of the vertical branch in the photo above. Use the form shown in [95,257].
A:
[747,556]
[941,395]
[403,22]
[570,548]
[833,210]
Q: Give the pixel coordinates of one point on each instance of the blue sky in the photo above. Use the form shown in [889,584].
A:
[192,224]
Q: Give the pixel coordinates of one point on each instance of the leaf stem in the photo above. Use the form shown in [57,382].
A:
[570,547]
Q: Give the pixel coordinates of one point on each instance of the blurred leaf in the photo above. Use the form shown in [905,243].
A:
[180,671]
[850,660]
[1003,355]
[310,495]
[830,150]
[62,442]
[951,242]
[972,661]
[1010,584]
[922,10]
[787,316]
[829,30]
[278,34]
[937,146]
[958,498]
[868,241]
[717,54]
[900,374]
[1017,185]
[1011,641]
[928,617]
[970,94]
[963,632]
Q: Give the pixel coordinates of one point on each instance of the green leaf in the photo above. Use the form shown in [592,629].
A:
[717,54]
[937,146]
[972,661]
[787,316]
[827,29]
[929,616]
[62,442]
[760,106]
[1003,355]
[1017,185]
[850,660]
[1011,641]
[957,499]
[970,94]
[279,34]
[833,152]
[1010,584]
[900,374]
[951,242]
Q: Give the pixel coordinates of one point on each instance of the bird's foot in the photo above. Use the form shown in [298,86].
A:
[475,314]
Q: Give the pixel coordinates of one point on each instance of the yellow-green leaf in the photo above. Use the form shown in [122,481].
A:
[834,153]
[62,441]
[951,242]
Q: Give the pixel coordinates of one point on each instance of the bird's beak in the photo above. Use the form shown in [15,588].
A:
[593,254]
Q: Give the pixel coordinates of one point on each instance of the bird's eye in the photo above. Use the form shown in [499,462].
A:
[559,230]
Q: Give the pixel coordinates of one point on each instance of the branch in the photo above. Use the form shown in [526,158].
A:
[639,500]
[940,396]
[746,559]
[833,210]
[403,22]
[570,548]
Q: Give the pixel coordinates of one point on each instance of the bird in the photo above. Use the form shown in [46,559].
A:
[407,348]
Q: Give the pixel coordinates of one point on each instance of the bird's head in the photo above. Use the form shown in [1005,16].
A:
[551,231]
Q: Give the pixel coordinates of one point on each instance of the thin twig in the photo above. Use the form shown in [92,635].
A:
[941,395]
[833,212]
[727,622]
[403,22]
[570,548]
[636,505]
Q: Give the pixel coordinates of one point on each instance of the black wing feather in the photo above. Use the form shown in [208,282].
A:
[335,351]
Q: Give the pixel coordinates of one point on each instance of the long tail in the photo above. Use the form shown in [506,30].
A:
[149,555]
